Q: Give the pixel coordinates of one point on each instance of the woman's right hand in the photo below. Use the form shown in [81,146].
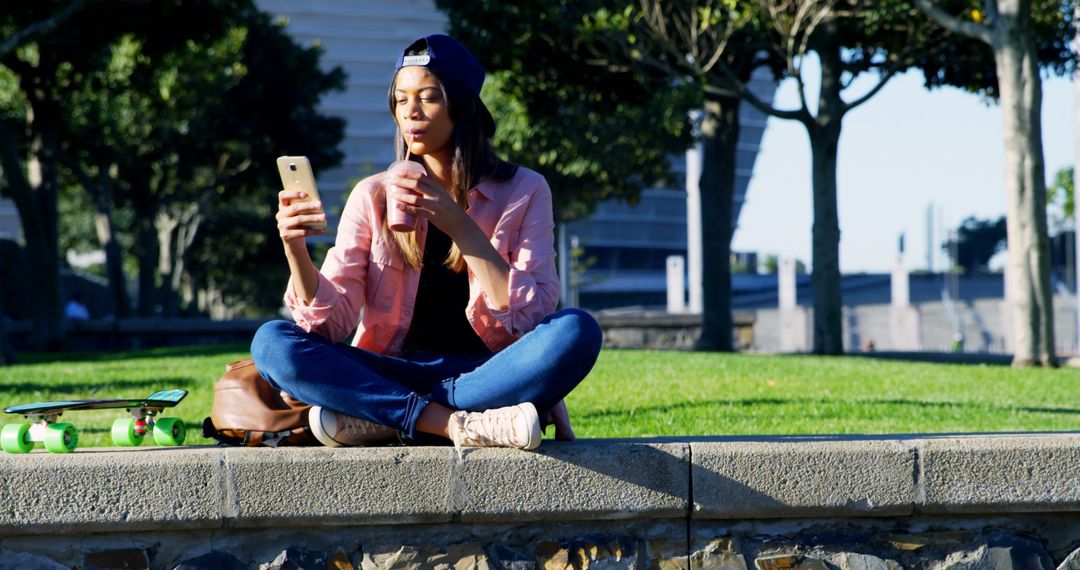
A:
[291,223]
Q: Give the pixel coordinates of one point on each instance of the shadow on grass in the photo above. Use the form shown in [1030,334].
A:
[91,390]
[749,402]
[938,357]
[33,358]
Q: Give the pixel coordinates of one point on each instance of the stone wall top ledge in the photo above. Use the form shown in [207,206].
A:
[720,478]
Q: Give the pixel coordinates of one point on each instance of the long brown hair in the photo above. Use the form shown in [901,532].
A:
[472,158]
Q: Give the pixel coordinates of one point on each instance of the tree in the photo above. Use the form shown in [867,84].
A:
[701,40]
[976,242]
[198,147]
[1011,32]
[30,30]
[284,80]
[708,45]
[31,120]
[165,126]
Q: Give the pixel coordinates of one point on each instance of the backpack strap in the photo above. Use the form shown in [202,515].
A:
[211,432]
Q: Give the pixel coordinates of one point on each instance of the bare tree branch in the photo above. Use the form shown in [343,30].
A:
[38,29]
[897,63]
[29,33]
[735,88]
[870,94]
[697,48]
[796,23]
[954,24]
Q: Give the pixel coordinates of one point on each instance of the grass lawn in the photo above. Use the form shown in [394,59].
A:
[634,393]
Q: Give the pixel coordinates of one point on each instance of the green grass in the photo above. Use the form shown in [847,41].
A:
[119,375]
[665,393]
[635,393]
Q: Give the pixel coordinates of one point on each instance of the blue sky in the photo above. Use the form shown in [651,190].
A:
[905,148]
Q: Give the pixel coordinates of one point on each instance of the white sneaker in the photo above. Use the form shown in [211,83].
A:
[338,430]
[513,426]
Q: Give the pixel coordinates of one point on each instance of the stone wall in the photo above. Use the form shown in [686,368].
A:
[667,331]
[813,502]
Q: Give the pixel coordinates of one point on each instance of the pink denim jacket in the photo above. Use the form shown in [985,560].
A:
[363,272]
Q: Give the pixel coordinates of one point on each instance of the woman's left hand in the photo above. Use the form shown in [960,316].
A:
[428,199]
[425,197]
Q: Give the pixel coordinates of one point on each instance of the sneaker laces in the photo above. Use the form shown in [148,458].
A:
[483,429]
[351,426]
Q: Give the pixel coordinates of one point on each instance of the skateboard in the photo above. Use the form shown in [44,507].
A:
[42,426]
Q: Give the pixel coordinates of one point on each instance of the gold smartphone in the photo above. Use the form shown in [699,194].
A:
[296,174]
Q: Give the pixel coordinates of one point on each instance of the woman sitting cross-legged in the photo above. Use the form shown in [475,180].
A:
[459,336]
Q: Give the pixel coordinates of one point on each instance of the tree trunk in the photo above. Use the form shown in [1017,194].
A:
[42,242]
[720,135]
[147,250]
[7,353]
[176,233]
[824,134]
[1025,184]
[143,203]
[185,238]
[31,184]
[101,195]
[114,262]
[9,266]
[106,234]
[166,235]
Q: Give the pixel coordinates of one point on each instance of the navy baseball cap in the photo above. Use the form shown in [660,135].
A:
[451,62]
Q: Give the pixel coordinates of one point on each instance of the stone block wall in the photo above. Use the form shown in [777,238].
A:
[808,502]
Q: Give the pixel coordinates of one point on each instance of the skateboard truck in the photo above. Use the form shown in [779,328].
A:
[130,432]
[41,428]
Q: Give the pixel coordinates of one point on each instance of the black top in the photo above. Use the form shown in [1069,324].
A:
[439,324]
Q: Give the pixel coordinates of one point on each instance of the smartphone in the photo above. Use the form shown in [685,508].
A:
[296,174]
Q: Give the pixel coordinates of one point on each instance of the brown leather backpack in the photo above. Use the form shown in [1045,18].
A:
[249,411]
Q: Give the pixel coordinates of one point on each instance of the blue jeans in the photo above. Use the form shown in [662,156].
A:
[541,367]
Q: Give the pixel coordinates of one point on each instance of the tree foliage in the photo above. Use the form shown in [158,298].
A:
[969,65]
[976,242]
[595,128]
[1061,200]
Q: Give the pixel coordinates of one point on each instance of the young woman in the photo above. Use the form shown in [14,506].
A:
[459,336]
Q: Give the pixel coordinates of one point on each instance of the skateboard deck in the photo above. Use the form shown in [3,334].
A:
[42,424]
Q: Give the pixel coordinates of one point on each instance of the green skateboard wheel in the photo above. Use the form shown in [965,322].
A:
[61,438]
[15,438]
[123,433]
[170,431]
